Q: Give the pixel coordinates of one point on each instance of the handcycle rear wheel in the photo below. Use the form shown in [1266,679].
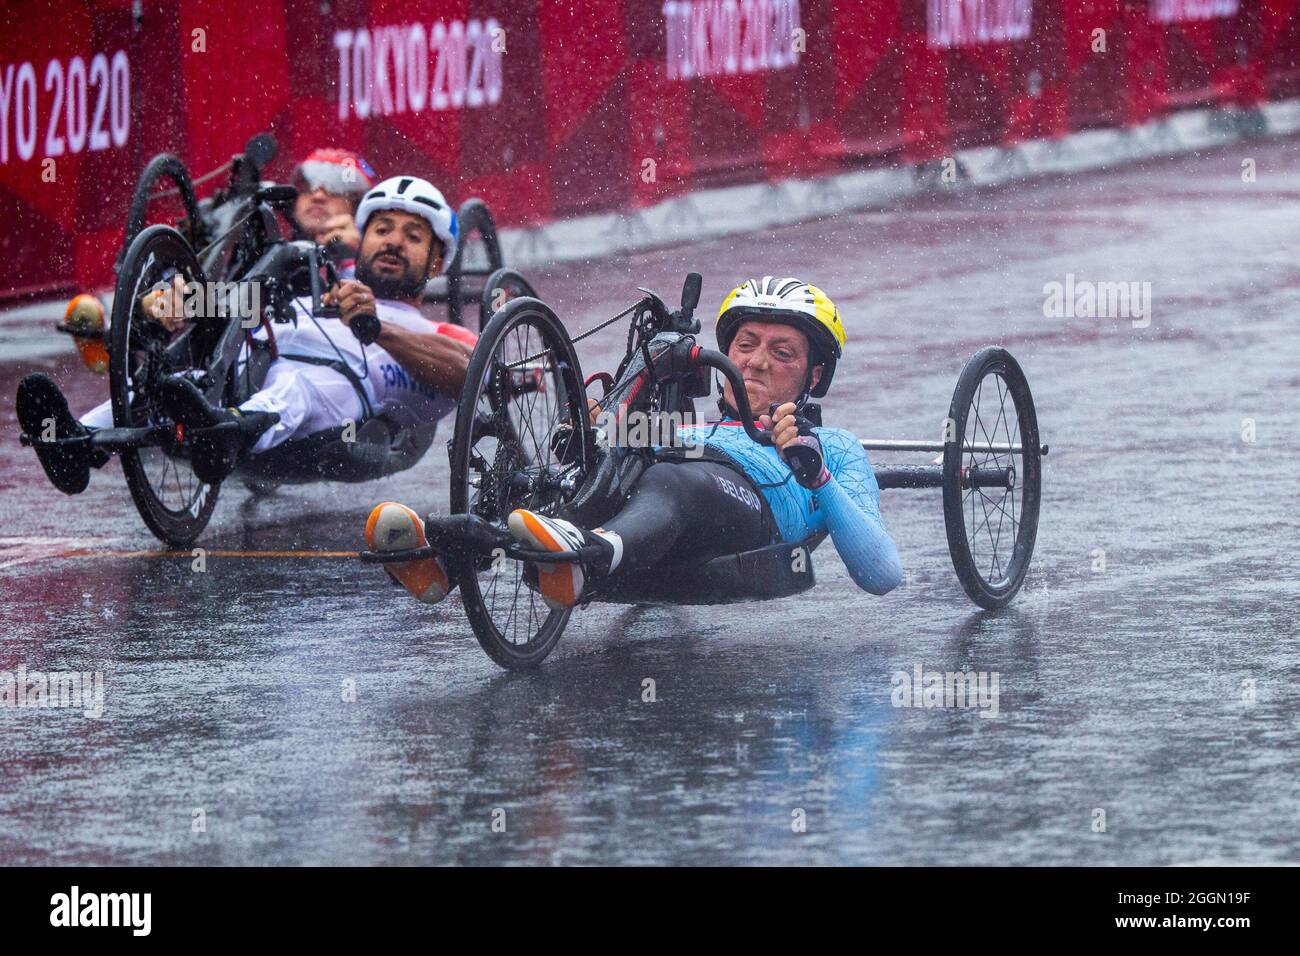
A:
[170,498]
[991,531]
[478,255]
[501,286]
[522,441]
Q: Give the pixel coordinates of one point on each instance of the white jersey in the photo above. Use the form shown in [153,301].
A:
[311,398]
[388,386]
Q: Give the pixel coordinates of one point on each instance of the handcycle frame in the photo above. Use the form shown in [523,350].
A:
[671,363]
[286,270]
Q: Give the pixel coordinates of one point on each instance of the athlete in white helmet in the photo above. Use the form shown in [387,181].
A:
[323,377]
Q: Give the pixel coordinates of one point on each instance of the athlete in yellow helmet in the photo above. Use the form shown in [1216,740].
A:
[786,338]
[796,304]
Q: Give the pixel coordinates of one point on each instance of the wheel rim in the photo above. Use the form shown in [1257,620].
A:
[478,254]
[992,516]
[523,453]
[991,529]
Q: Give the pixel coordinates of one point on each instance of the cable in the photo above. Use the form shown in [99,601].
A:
[165,193]
[364,363]
[238,222]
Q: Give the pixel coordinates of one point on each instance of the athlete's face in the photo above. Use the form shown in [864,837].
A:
[773,361]
[393,254]
[316,208]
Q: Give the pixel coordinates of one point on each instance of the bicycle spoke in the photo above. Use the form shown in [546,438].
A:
[984,431]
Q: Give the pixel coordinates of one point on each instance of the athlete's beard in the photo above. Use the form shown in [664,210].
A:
[404,287]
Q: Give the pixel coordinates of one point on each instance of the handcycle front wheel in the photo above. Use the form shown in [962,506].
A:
[991,530]
[170,498]
[160,169]
[522,441]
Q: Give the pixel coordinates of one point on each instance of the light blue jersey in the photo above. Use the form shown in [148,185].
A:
[847,506]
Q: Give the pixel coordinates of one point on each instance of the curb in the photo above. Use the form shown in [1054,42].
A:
[716,213]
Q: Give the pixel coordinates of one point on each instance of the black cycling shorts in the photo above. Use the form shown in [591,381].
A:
[687,512]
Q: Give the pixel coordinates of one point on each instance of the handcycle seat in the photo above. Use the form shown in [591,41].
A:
[386,440]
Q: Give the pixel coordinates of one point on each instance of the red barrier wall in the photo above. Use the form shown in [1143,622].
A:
[550,108]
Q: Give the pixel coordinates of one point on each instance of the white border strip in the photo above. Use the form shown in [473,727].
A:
[715,213]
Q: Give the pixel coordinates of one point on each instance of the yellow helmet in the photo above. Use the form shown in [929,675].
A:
[788,302]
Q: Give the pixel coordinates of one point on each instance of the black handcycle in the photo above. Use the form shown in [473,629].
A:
[524,439]
[228,245]
[166,189]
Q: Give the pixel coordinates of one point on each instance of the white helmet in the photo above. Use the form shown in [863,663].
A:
[420,198]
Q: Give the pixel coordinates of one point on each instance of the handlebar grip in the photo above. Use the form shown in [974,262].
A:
[277,195]
[805,456]
[365,326]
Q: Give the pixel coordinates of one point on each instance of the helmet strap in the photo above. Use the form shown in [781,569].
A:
[726,410]
[806,393]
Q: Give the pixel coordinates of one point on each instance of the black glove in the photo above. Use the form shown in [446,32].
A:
[805,457]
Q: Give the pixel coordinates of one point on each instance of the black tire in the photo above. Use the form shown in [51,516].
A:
[504,429]
[502,286]
[969,512]
[162,167]
[478,255]
[141,353]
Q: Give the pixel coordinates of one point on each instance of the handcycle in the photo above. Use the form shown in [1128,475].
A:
[233,239]
[524,439]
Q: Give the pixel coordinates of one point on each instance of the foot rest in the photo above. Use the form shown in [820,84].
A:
[396,557]
[464,534]
[28,441]
[468,535]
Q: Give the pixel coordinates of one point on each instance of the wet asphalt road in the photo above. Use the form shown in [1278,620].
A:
[1125,689]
